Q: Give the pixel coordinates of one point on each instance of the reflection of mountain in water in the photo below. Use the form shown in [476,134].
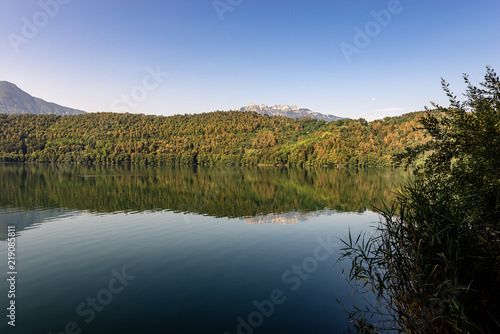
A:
[25,219]
[217,192]
[286,218]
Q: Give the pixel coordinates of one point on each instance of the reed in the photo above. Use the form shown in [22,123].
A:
[433,263]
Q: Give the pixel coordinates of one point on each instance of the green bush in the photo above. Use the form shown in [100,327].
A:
[433,264]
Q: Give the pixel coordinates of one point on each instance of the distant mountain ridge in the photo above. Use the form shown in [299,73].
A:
[288,111]
[14,100]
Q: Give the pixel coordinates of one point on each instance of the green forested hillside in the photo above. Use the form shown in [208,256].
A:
[216,138]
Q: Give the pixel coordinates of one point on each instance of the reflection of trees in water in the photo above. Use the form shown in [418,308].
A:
[217,192]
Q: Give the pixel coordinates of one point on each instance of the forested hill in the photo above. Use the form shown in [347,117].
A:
[216,138]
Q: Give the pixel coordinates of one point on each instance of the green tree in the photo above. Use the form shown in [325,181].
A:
[434,264]
[464,145]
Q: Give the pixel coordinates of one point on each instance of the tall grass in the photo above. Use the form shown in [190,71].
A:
[431,265]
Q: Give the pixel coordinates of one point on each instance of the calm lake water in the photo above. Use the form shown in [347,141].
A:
[162,250]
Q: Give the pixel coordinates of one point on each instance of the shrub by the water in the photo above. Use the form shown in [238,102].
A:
[433,263]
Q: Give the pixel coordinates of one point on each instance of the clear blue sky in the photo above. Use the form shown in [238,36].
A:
[88,54]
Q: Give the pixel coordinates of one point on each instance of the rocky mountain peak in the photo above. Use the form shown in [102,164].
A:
[286,110]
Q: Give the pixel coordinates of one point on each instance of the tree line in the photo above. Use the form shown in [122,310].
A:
[208,139]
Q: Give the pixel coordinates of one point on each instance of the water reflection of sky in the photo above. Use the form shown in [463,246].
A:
[186,266]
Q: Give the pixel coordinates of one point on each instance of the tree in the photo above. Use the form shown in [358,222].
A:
[433,265]
[464,145]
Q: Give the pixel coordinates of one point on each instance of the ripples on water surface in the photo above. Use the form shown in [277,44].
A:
[203,246]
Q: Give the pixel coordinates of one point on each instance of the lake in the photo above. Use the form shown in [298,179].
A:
[182,250]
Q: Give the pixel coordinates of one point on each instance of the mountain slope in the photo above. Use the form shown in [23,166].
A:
[288,111]
[210,139]
[14,100]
